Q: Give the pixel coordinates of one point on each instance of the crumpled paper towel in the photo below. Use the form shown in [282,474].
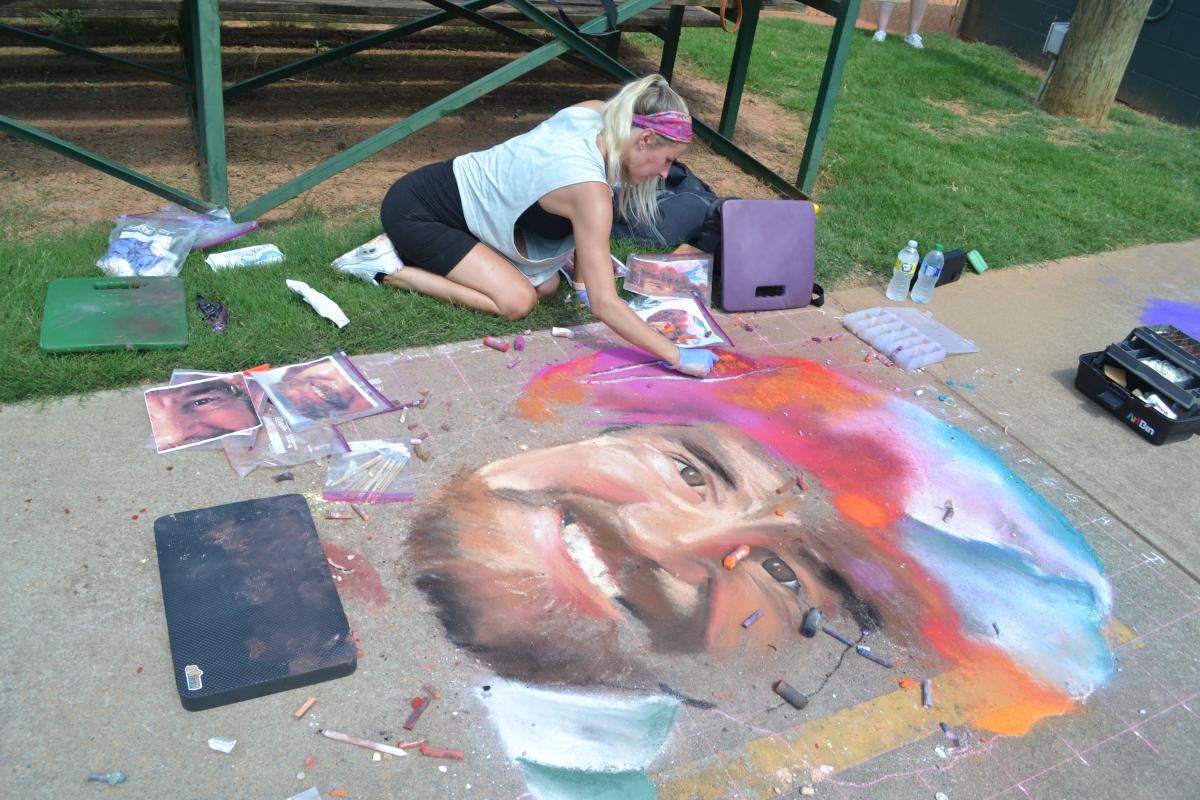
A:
[322,304]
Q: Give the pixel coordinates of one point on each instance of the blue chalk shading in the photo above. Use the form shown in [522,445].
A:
[1052,624]
[1184,316]
[1047,529]
[556,783]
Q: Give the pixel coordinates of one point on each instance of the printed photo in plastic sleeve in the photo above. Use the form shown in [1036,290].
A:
[683,320]
[325,390]
[193,413]
[670,275]
[257,397]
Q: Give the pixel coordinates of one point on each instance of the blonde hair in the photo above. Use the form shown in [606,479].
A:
[648,95]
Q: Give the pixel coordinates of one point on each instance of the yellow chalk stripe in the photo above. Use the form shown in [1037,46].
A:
[1118,633]
[841,740]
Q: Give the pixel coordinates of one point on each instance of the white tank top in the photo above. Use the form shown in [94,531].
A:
[497,185]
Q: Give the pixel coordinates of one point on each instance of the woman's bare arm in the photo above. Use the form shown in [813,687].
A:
[589,207]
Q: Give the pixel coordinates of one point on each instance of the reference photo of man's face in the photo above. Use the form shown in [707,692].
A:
[200,411]
[319,390]
[550,563]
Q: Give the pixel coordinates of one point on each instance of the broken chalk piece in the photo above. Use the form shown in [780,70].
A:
[843,639]
[753,618]
[927,693]
[496,344]
[419,706]
[795,699]
[302,710]
[866,653]
[311,793]
[811,623]
[562,333]
[519,342]
[338,515]
[222,744]
[735,556]
[440,752]
[111,778]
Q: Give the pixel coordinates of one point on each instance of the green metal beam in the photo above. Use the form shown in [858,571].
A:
[427,116]
[201,25]
[87,52]
[833,8]
[98,162]
[350,48]
[670,39]
[831,81]
[738,67]
[620,72]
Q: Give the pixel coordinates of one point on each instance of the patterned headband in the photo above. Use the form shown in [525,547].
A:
[673,125]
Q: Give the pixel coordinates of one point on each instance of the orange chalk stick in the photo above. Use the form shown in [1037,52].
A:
[730,561]
[438,752]
[302,710]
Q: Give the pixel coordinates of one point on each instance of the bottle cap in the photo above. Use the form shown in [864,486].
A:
[912,242]
[938,246]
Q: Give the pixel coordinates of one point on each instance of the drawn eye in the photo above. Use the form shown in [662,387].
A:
[201,401]
[691,476]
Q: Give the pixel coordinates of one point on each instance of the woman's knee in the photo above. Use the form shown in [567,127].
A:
[517,302]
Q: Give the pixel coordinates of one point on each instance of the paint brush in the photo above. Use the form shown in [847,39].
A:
[378,747]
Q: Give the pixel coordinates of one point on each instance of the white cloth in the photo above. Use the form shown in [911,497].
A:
[497,185]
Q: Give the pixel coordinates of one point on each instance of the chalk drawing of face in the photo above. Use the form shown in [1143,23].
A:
[549,560]
[558,565]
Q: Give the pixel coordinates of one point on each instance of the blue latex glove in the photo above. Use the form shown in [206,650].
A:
[697,363]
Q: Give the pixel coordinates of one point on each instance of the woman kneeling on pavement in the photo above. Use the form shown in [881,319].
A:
[491,229]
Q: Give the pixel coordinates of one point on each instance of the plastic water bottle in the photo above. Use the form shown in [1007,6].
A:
[906,262]
[931,270]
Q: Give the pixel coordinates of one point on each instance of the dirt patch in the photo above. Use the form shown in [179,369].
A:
[282,130]
[960,109]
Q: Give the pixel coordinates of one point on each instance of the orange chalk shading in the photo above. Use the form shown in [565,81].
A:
[309,762]
[863,510]
[339,793]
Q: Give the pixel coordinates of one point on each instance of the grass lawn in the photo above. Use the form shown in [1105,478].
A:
[937,145]
[945,145]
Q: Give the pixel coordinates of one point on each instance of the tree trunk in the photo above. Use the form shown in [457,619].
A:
[1093,59]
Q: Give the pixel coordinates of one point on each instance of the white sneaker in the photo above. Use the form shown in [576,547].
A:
[914,40]
[368,260]
[879,36]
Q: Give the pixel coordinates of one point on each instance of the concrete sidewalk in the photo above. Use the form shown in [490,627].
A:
[86,678]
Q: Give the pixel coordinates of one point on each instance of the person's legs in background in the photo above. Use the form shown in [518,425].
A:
[916,14]
[885,15]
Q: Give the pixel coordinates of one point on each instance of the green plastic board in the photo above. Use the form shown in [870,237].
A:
[88,314]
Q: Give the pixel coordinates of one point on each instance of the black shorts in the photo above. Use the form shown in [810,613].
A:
[423,216]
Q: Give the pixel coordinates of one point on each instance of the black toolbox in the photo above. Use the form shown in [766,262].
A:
[1123,379]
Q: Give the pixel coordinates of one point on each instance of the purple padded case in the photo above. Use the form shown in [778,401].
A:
[768,254]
